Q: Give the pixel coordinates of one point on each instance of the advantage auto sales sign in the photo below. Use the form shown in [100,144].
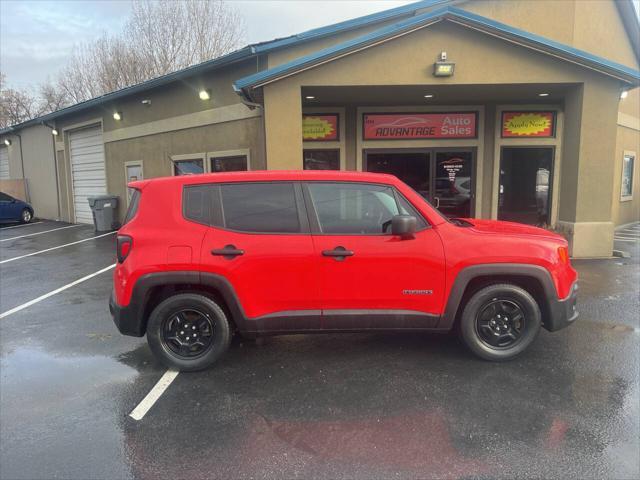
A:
[412,126]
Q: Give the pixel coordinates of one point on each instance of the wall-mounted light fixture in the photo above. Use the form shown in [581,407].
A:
[429,95]
[204,95]
[543,94]
[54,132]
[310,97]
[7,142]
[146,102]
[624,94]
[442,68]
[117,116]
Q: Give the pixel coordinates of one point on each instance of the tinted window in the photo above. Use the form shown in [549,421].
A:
[260,207]
[188,167]
[229,164]
[5,198]
[133,206]
[196,203]
[321,159]
[353,208]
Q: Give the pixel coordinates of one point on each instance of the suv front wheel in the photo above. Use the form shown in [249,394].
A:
[188,332]
[500,321]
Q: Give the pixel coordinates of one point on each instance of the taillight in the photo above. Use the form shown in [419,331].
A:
[563,254]
[124,244]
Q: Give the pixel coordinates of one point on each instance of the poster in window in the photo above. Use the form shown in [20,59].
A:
[320,127]
[528,124]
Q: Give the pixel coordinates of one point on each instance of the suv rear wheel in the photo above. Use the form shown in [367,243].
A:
[188,332]
[500,321]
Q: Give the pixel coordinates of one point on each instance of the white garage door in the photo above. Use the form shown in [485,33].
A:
[4,163]
[87,169]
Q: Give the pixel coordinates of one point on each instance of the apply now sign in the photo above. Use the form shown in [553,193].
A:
[407,126]
[528,124]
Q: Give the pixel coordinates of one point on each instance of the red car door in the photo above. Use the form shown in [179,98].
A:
[261,245]
[381,281]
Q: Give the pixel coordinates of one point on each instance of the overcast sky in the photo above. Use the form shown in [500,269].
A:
[36,37]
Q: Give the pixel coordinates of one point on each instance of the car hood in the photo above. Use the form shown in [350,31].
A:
[509,228]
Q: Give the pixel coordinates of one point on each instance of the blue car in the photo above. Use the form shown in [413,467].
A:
[14,210]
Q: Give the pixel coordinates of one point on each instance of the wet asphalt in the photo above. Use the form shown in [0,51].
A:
[325,406]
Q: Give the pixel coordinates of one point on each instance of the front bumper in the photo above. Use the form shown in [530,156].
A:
[563,312]
[128,319]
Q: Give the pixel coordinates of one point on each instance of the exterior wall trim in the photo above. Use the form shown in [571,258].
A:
[628,121]
[227,113]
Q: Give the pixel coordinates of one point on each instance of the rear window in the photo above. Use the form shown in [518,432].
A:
[196,203]
[260,207]
[133,206]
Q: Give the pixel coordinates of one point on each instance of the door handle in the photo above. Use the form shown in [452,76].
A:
[229,252]
[339,253]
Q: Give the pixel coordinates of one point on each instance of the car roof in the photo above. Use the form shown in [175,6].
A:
[271,176]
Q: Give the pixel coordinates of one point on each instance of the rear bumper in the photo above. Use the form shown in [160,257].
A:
[127,319]
[563,312]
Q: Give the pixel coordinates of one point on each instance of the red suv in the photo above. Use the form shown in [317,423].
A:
[264,253]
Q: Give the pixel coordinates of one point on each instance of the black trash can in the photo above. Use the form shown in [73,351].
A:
[104,209]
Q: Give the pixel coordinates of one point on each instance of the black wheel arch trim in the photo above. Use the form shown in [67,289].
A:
[555,315]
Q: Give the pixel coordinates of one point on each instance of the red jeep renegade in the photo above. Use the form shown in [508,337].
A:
[263,253]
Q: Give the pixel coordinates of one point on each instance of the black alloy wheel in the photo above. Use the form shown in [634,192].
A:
[188,333]
[500,323]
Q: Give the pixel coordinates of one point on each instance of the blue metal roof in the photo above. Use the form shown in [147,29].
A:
[463,17]
[348,25]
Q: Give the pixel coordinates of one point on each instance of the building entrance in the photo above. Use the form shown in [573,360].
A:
[442,176]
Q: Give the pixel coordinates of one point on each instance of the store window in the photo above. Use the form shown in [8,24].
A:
[188,166]
[628,164]
[260,207]
[235,163]
[321,159]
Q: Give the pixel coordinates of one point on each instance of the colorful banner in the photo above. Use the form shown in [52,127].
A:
[528,124]
[411,126]
[320,128]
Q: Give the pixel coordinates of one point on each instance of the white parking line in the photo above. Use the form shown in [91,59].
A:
[152,397]
[55,248]
[22,225]
[40,233]
[54,292]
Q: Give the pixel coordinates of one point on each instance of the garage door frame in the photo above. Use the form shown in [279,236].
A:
[68,131]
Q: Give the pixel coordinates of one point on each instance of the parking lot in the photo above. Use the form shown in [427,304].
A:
[325,406]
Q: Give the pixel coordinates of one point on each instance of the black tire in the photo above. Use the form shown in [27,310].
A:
[499,339]
[204,313]
[26,215]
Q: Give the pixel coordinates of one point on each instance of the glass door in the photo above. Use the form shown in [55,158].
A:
[413,167]
[442,176]
[453,192]
[525,185]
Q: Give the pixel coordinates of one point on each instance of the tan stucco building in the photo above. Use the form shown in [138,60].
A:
[519,110]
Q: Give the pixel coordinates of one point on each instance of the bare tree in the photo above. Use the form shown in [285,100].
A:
[16,106]
[159,37]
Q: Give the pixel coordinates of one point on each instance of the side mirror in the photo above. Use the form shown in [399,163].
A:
[403,226]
